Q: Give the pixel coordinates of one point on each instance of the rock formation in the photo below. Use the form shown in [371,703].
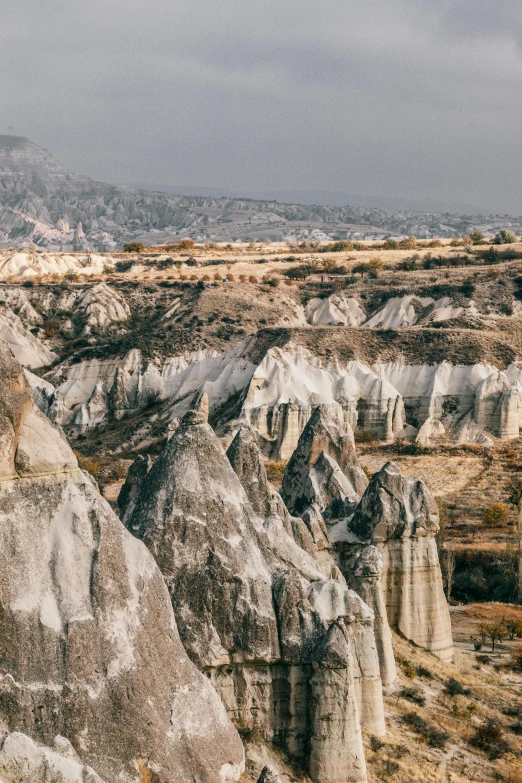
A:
[291,652]
[323,463]
[133,481]
[400,517]
[89,647]
[23,761]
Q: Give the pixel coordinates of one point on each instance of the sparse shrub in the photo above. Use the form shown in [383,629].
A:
[422,671]
[71,277]
[108,269]
[276,470]
[476,237]
[376,263]
[242,278]
[186,244]
[133,247]
[496,515]
[123,266]
[274,281]
[253,279]
[407,668]
[483,659]
[364,436]
[217,277]
[516,659]
[206,278]
[91,465]
[455,688]
[288,282]
[415,695]
[193,277]
[437,738]
[376,744]
[456,242]
[489,737]
[51,327]
[504,237]
[409,264]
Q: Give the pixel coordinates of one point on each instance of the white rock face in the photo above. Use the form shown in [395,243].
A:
[28,350]
[102,305]
[86,624]
[335,310]
[23,761]
[401,312]
[29,264]
[276,396]
[400,517]
[256,609]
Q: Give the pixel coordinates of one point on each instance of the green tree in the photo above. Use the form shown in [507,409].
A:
[133,247]
[477,237]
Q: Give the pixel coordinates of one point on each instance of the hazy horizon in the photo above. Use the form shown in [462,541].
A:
[411,101]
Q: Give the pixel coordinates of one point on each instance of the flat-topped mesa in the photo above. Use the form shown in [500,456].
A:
[325,444]
[86,622]
[400,517]
[283,645]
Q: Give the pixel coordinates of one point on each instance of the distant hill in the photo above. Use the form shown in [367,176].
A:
[44,204]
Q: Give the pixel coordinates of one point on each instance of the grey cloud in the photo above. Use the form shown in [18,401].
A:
[404,97]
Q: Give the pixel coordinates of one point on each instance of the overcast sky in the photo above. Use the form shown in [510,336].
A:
[409,98]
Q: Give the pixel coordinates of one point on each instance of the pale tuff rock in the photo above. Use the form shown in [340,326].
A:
[27,348]
[326,440]
[335,310]
[15,299]
[23,761]
[431,431]
[400,312]
[401,518]
[133,481]
[86,623]
[27,264]
[253,608]
[245,457]
[102,305]
[364,576]
[277,396]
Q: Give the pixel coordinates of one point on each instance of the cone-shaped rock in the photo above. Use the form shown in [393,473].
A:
[255,611]
[325,436]
[89,647]
[400,517]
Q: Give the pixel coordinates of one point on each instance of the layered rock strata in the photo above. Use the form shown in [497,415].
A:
[292,653]
[89,647]
[400,517]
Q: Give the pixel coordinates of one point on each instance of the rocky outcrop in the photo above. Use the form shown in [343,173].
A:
[247,461]
[364,576]
[89,647]
[101,305]
[292,653]
[400,517]
[23,761]
[133,481]
[27,348]
[323,463]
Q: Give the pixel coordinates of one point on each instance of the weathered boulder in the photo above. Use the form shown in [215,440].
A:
[400,517]
[89,647]
[23,761]
[325,443]
[283,645]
